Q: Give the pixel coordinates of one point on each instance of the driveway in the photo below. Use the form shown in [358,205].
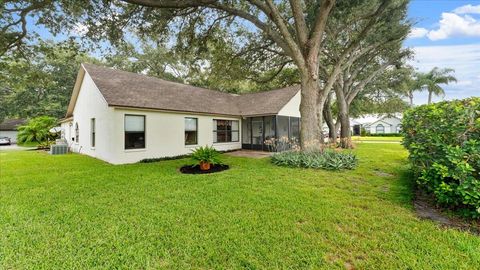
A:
[13,147]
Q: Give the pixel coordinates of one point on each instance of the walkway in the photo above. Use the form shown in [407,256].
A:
[249,153]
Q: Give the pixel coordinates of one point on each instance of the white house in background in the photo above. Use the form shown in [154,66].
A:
[8,128]
[384,125]
[123,117]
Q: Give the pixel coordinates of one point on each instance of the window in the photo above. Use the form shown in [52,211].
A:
[191,128]
[77,133]
[134,131]
[92,128]
[225,131]
[380,128]
[399,128]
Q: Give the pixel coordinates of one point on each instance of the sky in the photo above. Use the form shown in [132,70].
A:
[447,35]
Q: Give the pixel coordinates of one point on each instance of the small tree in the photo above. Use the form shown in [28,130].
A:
[37,130]
[432,80]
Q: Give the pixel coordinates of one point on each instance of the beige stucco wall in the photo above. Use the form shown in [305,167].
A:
[91,104]
[292,108]
[164,135]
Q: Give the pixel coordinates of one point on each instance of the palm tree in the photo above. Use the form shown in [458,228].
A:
[407,82]
[432,80]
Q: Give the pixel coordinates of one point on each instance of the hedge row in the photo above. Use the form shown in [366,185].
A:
[383,135]
[443,140]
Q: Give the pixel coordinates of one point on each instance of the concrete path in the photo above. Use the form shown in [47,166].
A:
[14,147]
[249,153]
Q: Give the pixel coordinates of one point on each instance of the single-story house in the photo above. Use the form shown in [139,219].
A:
[384,125]
[123,117]
[8,128]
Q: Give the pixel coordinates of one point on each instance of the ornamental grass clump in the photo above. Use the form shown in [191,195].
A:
[317,159]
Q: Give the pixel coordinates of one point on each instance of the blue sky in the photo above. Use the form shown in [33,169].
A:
[447,34]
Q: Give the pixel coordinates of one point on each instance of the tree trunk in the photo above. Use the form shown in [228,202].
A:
[410,96]
[309,128]
[430,97]
[327,115]
[344,117]
[345,135]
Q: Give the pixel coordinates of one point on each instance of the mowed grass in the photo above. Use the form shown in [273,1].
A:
[76,212]
[376,139]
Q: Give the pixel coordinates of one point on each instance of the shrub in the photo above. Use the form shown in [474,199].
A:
[206,154]
[151,160]
[443,141]
[383,134]
[282,144]
[37,130]
[327,159]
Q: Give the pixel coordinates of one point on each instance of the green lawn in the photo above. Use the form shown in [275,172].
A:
[76,212]
[28,144]
[377,139]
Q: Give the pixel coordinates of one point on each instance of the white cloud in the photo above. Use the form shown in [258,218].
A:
[418,32]
[453,25]
[465,59]
[467,9]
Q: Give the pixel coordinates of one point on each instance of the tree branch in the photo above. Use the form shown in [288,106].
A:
[300,24]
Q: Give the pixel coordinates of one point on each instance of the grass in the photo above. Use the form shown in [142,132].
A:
[73,211]
[28,144]
[376,139]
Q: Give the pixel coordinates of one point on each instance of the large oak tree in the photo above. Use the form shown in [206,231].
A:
[293,30]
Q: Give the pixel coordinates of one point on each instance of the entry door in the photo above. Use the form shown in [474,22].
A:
[257,133]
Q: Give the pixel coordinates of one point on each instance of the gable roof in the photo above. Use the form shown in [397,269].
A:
[382,119]
[132,90]
[11,124]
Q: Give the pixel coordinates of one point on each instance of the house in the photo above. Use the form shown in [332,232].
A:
[8,128]
[384,125]
[122,117]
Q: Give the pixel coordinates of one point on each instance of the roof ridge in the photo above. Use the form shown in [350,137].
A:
[130,89]
[155,78]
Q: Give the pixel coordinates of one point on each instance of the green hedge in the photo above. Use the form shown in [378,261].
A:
[443,140]
[383,135]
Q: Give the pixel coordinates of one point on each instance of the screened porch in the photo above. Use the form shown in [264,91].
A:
[257,130]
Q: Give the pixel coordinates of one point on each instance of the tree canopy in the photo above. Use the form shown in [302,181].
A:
[233,46]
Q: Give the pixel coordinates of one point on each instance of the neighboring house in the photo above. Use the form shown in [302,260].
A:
[123,117]
[8,128]
[384,125]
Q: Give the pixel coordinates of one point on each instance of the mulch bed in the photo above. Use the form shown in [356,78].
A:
[426,209]
[189,169]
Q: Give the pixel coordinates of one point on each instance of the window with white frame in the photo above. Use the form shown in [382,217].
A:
[191,131]
[134,131]
[225,131]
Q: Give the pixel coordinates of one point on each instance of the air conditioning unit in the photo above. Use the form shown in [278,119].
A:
[58,149]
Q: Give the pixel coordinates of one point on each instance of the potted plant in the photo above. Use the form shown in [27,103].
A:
[206,156]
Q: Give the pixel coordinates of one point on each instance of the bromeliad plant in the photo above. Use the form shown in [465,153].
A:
[206,156]
[327,159]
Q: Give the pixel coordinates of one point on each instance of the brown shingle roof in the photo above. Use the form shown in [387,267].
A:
[11,124]
[126,89]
